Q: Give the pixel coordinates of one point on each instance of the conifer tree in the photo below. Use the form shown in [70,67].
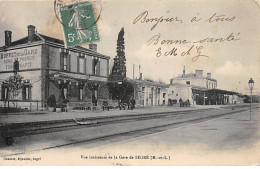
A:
[119,67]
[119,87]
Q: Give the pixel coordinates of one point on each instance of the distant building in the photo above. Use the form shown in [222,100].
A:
[195,79]
[199,89]
[149,93]
[179,91]
[152,93]
[77,75]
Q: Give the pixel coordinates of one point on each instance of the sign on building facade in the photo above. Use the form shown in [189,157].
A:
[29,58]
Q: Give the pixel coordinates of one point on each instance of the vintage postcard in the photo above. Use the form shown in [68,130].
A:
[129,83]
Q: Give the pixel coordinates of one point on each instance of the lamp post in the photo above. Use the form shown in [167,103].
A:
[251,86]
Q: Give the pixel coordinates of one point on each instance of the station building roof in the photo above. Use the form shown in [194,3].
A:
[144,82]
[192,76]
[47,39]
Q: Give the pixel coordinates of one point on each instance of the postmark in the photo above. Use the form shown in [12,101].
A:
[97,7]
[79,23]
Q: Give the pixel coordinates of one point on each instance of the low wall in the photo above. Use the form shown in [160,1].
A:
[28,105]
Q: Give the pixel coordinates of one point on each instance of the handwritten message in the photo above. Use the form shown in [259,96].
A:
[195,48]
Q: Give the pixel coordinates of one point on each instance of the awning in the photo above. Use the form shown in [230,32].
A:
[78,79]
[222,91]
[69,76]
[199,89]
[214,91]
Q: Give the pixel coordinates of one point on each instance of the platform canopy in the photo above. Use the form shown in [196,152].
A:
[220,91]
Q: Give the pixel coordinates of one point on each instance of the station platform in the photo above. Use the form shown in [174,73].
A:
[35,116]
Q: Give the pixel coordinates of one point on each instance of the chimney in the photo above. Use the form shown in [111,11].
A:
[208,75]
[31,33]
[93,47]
[8,38]
[141,76]
[199,72]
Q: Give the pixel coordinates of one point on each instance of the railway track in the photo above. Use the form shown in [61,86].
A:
[32,128]
[149,130]
[25,129]
[137,132]
[145,130]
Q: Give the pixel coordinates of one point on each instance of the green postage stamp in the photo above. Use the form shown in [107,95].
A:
[79,24]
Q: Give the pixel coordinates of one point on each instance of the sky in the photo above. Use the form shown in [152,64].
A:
[232,62]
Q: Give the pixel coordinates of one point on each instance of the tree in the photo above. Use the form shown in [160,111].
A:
[119,68]
[14,85]
[119,87]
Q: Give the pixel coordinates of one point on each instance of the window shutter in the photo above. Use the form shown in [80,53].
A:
[93,66]
[2,92]
[84,93]
[78,92]
[68,61]
[107,67]
[85,65]
[78,63]
[7,95]
[98,68]
[61,60]
[30,93]
[23,93]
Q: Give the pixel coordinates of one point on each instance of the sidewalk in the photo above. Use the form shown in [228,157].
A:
[36,116]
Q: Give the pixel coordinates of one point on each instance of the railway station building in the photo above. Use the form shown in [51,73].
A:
[200,90]
[49,70]
[150,93]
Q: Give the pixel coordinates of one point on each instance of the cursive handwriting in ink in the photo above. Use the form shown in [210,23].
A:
[159,53]
[195,58]
[156,39]
[143,18]
[222,18]
[198,50]
[187,52]
[230,37]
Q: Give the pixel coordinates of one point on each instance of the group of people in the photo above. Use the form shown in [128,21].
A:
[130,104]
[186,103]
